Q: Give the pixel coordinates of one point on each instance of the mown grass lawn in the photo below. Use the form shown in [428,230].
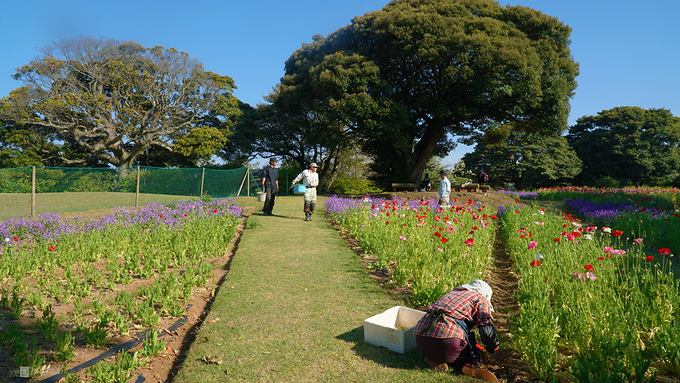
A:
[292,310]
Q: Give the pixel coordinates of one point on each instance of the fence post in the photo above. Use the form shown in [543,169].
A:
[248,170]
[137,192]
[242,182]
[202,180]
[32,191]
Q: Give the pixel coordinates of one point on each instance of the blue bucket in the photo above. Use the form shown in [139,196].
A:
[299,189]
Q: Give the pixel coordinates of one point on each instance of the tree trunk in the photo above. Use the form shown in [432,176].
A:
[424,150]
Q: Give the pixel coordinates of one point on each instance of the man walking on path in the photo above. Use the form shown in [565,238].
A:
[444,190]
[310,178]
[270,185]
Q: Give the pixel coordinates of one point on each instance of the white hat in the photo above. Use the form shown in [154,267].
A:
[481,287]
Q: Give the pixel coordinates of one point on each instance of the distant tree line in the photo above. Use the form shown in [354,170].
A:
[375,100]
[623,146]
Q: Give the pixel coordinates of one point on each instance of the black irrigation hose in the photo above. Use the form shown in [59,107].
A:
[112,352]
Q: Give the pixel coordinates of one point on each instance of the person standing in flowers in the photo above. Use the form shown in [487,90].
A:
[444,336]
[310,178]
[444,189]
[270,185]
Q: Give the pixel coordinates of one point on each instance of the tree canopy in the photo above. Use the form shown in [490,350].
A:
[630,145]
[113,101]
[409,81]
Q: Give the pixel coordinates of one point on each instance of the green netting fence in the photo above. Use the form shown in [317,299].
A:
[34,190]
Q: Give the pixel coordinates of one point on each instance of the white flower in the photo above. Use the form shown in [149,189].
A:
[6,239]
[576,224]
[538,257]
[588,236]
[607,229]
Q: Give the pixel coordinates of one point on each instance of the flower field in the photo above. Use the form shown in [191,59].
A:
[652,213]
[590,300]
[594,302]
[114,274]
[425,246]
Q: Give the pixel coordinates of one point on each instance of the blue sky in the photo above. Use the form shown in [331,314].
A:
[629,51]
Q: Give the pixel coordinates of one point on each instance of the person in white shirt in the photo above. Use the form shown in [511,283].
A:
[309,178]
[444,190]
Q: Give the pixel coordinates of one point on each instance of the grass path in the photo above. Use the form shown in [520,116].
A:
[292,308]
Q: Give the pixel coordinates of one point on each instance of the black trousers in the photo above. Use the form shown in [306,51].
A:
[269,200]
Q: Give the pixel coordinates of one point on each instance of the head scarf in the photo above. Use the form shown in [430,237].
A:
[481,287]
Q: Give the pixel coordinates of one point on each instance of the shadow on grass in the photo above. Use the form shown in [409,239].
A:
[412,360]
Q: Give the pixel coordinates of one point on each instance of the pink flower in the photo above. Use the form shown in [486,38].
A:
[608,249]
[618,252]
[638,240]
[532,244]
[402,237]
[469,242]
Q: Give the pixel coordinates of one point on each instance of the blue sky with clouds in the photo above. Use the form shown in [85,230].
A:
[628,51]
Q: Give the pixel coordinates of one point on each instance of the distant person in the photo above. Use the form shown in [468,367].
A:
[444,189]
[310,178]
[444,336]
[426,183]
[270,185]
[483,178]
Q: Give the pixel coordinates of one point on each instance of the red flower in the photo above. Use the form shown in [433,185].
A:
[186,215]
[557,239]
[649,258]
[444,240]
[15,239]
[517,211]
[161,215]
[600,258]
[590,268]
[215,211]
[535,263]
[437,234]
[51,248]
[664,251]
[387,223]
[616,233]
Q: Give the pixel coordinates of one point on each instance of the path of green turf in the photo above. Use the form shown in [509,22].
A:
[291,310]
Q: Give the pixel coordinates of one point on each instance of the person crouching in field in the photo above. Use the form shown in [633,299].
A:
[310,178]
[444,336]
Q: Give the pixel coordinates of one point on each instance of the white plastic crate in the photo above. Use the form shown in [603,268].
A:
[393,329]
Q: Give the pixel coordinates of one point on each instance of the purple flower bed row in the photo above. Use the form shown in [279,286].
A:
[517,193]
[607,211]
[49,227]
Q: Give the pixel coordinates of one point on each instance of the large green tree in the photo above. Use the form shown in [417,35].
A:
[526,159]
[414,78]
[630,145]
[116,100]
